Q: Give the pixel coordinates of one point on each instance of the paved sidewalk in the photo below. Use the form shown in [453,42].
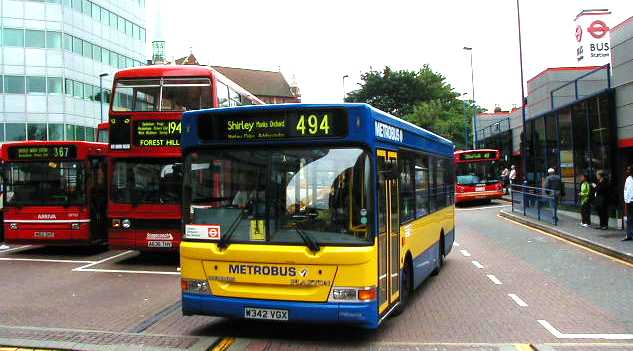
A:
[605,241]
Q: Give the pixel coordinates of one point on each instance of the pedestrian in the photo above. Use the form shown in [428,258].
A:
[601,199]
[505,178]
[628,203]
[585,201]
[553,184]
[513,176]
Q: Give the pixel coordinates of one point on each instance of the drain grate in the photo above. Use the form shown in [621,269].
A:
[98,338]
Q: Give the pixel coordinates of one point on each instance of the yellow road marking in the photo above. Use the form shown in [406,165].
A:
[568,241]
[523,347]
[224,344]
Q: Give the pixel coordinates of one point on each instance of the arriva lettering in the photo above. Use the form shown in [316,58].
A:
[388,132]
[46,216]
[253,269]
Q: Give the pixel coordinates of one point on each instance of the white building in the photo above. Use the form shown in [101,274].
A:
[52,53]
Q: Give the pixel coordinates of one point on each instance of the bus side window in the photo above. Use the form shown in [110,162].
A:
[407,188]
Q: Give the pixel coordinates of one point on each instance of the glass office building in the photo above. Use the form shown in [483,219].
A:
[52,53]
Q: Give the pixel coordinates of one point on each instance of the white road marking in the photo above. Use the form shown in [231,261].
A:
[518,300]
[16,248]
[465,253]
[455,243]
[126,271]
[478,265]
[494,279]
[42,260]
[560,335]
[481,208]
[103,260]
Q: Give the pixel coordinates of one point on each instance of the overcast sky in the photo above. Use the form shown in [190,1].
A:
[320,41]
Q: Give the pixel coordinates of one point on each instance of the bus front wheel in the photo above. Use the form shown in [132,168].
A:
[406,284]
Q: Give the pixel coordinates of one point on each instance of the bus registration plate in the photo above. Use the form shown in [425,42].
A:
[265,313]
[153,243]
[480,188]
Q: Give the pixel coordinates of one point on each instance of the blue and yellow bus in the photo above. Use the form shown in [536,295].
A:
[311,213]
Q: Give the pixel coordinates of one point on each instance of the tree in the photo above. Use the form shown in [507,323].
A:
[422,97]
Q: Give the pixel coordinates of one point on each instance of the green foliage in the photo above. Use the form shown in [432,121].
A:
[423,98]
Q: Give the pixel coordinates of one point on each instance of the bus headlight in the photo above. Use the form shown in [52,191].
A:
[352,294]
[75,226]
[194,286]
[116,223]
[13,226]
[126,223]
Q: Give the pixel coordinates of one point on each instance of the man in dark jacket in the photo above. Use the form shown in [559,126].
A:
[601,200]
[553,184]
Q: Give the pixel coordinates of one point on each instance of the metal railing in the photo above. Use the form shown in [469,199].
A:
[538,203]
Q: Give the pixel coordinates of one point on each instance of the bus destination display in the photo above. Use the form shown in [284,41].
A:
[50,152]
[157,133]
[476,156]
[255,126]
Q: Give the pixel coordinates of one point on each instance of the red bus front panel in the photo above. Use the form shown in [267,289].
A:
[477,175]
[145,227]
[47,225]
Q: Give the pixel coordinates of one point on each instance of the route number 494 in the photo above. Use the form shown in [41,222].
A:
[313,125]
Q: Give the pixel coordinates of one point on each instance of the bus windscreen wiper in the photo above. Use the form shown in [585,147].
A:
[312,244]
[224,240]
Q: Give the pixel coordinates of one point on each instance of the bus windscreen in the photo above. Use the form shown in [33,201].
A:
[44,183]
[473,173]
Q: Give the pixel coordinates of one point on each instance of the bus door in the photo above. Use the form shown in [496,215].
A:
[388,231]
[98,200]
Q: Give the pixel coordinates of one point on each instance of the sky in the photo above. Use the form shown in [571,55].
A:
[319,42]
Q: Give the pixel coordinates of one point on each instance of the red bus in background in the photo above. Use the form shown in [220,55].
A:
[478,174]
[102,132]
[55,192]
[144,203]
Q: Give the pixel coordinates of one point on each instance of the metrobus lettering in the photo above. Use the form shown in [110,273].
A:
[241,125]
[46,216]
[388,132]
[262,270]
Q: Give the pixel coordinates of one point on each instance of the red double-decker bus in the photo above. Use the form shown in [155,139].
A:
[144,206]
[478,175]
[55,192]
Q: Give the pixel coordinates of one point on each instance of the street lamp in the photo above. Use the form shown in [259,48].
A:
[523,155]
[466,125]
[472,80]
[101,94]
[344,93]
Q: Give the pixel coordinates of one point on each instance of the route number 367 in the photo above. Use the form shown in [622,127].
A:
[60,151]
[313,125]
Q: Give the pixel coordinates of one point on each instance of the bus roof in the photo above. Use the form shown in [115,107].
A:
[173,71]
[413,136]
[84,148]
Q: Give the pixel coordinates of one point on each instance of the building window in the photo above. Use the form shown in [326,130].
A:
[14,84]
[121,24]
[78,89]
[96,53]
[16,131]
[70,132]
[36,131]
[88,92]
[87,49]
[77,46]
[90,134]
[53,40]
[80,133]
[55,132]
[114,59]
[35,39]
[105,56]
[13,37]
[96,12]
[113,20]
[1,131]
[69,87]
[36,85]
[1,85]
[68,42]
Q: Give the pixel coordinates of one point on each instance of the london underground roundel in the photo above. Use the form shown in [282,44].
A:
[598,29]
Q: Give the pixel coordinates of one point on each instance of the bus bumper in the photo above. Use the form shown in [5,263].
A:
[361,314]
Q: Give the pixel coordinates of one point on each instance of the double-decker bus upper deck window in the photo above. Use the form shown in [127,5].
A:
[186,94]
[136,95]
